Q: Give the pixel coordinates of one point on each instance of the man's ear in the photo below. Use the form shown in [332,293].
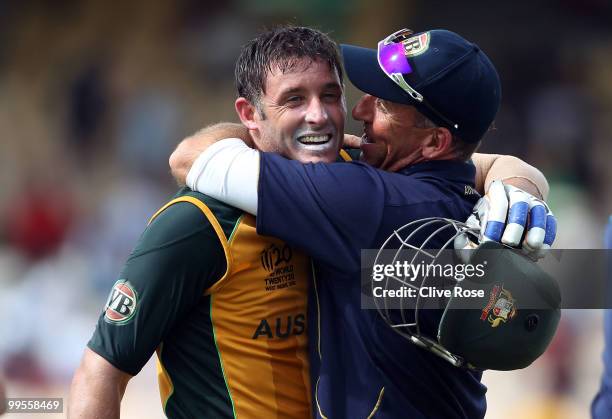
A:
[247,112]
[439,144]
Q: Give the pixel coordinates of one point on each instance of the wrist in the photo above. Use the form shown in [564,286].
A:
[525,184]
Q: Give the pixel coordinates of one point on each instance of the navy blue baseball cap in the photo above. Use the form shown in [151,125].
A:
[447,78]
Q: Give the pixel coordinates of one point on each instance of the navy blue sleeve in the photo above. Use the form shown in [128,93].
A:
[330,210]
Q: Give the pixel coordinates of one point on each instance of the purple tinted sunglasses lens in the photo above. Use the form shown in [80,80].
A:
[392,58]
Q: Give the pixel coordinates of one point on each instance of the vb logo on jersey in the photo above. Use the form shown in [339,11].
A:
[122,303]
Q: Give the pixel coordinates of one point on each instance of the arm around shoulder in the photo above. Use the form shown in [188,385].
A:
[512,171]
[97,388]
[191,147]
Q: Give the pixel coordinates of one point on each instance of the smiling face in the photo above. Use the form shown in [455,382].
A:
[391,137]
[301,112]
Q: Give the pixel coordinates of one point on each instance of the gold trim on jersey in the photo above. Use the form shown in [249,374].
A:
[229,391]
[216,226]
[317,399]
[258,314]
[370,416]
[166,387]
[259,318]
[345,155]
[380,396]
[316,290]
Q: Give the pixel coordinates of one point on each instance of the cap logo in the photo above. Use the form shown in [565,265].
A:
[500,308]
[416,45]
[121,304]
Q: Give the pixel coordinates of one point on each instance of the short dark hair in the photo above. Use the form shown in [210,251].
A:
[462,150]
[282,47]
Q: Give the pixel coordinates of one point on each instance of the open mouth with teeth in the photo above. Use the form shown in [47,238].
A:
[314,139]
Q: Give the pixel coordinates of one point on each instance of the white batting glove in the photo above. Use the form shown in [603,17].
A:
[505,212]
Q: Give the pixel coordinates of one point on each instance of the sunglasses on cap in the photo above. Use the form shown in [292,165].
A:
[394,63]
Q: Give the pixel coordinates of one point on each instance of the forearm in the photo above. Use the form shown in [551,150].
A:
[95,394]
[190,148]
[511,170]
[90,398]
[233,177]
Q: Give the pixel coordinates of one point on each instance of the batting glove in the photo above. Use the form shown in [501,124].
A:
[504,213]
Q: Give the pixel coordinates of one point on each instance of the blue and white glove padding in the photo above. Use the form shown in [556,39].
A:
[503,214]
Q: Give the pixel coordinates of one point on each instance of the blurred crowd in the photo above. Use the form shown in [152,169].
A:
[94,97]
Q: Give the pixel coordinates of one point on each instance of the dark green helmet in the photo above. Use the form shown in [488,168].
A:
[509,317]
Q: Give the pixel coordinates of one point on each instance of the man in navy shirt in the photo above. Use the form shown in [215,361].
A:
[602,405]
[430,99]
